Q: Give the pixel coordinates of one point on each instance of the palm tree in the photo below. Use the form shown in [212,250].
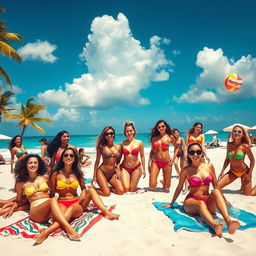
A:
[5,49]
[27,116]
[4,102]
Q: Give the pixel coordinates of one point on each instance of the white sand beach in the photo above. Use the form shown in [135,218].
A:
[141,229]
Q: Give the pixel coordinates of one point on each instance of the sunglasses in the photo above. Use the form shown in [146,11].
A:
[109,133]
[69,155]
[237,131]
[192,152]
[161,126]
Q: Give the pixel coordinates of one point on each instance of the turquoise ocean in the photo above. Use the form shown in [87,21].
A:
[89,141]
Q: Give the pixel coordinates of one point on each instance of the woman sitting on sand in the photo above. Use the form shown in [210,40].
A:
[195,134]
[84,159]
[56,147]
[237,148]
[159,157]
[200,201]
[65,180]
[107,171]
[32,182]
[131,167]
[17,149]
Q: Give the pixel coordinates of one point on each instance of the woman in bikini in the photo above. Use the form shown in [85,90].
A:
[43,148]
[56,147]
[131,167]
[32,182]
[195,134]
[17,149]
[237,148]
[106,172]
[200,201]
[65,180]
[159,157]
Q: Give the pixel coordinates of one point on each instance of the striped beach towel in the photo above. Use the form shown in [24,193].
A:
[29,229]
[183,220]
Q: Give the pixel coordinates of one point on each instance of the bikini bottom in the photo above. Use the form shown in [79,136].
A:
[238,174]
[38,202]
[108,175]
[197,198]
[67,203]
[130,170]
[161,164]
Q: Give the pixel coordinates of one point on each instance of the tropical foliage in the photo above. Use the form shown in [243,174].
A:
[5,49]
[27,116]
[5,102]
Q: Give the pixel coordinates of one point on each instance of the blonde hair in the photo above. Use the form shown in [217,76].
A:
[129,123]
[245,139]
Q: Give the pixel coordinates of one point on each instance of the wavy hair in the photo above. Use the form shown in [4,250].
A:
[245,139]
[155,132]
[189,161]
[191,130]
[75,169]
[21,171]
[101,140]
[12,142]
[55,143]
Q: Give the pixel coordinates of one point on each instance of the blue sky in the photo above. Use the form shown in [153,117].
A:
[98,63]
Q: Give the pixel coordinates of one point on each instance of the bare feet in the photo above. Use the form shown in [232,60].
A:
[73,236]
[218,229]
[233,225]
[41,237]
[111,216]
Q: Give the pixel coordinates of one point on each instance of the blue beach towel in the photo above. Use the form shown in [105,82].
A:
[87,180]
[183,220]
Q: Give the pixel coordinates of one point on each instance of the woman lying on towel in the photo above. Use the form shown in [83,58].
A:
[65,180]
[200,201]
[32,181]
[238,147]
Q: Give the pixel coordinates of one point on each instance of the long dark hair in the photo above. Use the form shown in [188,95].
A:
[155,132]
[12,142]
[55,143]
[189,161]
[21,171]
[75,169]
[101,141]
[191,130]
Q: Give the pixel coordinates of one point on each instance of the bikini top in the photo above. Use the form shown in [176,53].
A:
[108,154]
[195,181]
[29,191]
[238,156]
[192,139]
[20,152]
[134,151]
[57,157]
[164,144]
[62,184]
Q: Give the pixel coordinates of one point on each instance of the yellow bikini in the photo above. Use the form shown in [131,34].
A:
[62,185]
[29,191]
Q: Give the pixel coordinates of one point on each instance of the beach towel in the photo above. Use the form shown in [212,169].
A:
[87,180]
[183,220]
[29,229]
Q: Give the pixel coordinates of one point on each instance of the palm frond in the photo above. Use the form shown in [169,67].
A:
[8,51]
[6,76]
[41,130]
[10,37]
[40,119]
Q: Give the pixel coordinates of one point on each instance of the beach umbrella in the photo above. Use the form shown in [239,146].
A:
[229,128]
[252,129]
[4,137]
[211,132]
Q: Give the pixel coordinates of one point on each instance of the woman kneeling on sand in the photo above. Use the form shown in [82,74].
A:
[200,201]
[65,180]
[237,148]
[32,181]
[131,167]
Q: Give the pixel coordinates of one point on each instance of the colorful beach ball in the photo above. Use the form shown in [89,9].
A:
[233,82]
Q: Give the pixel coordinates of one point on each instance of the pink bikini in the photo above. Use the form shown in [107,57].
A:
[164,144]
[134,152]
[194,182]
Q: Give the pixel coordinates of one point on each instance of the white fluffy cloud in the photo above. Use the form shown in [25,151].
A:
[209,84]
[40,50]
[119,67]
[67,115]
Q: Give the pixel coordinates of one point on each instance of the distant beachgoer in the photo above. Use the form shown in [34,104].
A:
[57,146]
[17,149]
[200,201]
[107,172]
[159,157]
[131,167]
[84,159]
[195,134]
[43,148]
[2,160]
[32,181]
[238,146]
